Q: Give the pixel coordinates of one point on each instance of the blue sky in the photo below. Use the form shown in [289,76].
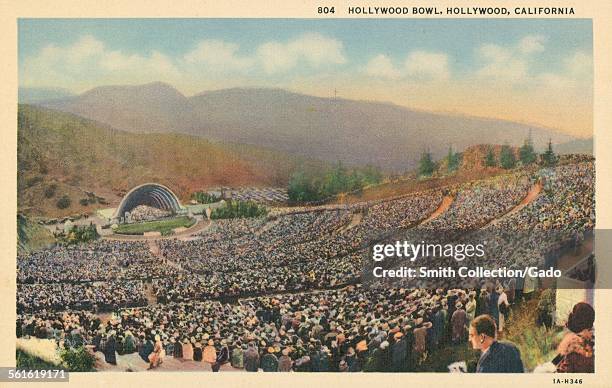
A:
[378,59]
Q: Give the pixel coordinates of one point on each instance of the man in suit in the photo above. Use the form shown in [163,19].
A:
[496,357]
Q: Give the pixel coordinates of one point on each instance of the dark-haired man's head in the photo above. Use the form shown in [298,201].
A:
[483,331]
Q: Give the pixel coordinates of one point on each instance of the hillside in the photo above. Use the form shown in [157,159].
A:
[63,154]
[471,168]
[31,236]
[356,132]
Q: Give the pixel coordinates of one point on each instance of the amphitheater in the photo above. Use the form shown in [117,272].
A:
[293,280]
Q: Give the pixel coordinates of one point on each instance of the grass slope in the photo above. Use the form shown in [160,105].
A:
[76,154]
[31,236]
[536,344]
[28,361]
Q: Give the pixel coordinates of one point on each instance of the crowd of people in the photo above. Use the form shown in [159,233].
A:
[146,213]
[283,292]
[97,296]
[321,331]
[101,260]
[478,203]
[555,221]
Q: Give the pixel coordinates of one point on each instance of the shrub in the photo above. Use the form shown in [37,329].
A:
[64,202]
[79,234]
[202,197]
[239,209]
[78,359]
[84,201]
[50,190]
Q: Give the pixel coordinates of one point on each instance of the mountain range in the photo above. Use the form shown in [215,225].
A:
[328,129]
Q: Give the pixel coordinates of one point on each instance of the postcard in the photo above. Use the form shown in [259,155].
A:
[350,194]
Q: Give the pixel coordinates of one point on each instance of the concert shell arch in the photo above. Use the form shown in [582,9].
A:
[150,194]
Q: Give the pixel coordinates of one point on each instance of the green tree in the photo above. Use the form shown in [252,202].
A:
[371,175]
[316,185]
[355,181]
[336,180]
[549,158]
[526,153]
[452,160]
[426,164]
[507,160]
[490,160]
[303,187]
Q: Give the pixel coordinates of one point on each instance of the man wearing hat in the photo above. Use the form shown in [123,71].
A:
[399,353]
[197,352]
[353,362]
[187,350]
[251,358]
[238,355]
[129,345]
[458,323]
[269,362]
[222,356]
[109,350]
[284,362]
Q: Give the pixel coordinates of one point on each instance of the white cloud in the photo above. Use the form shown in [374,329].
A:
[381,66]
[509,63]
[419,65]
[494,53]
[85,48]
[579,64]
[532,44]
[312,49]
[426,64]
[578,70]
[89,62]
[218,54]
[510,66]
[88,59]
[505,68]
[276,57]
